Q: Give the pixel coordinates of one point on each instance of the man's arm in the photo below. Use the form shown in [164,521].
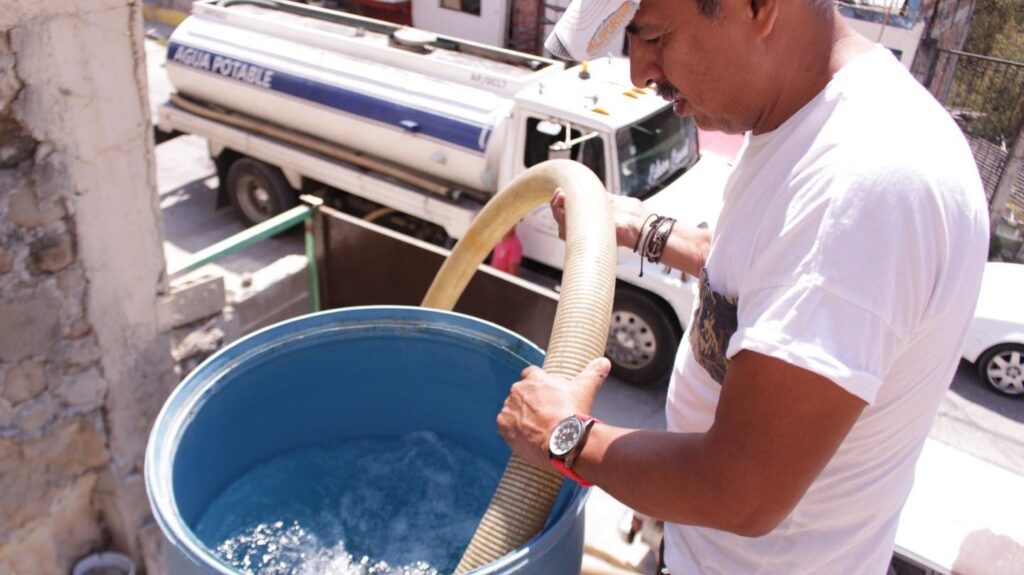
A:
[776,427]
[687,247]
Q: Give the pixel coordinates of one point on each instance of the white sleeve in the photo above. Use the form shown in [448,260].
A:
[843,285]
[810,327]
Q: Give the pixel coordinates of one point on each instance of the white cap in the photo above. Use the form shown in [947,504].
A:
[583,32]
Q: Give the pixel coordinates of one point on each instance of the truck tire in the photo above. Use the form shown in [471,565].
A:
[258,191]
[642,339]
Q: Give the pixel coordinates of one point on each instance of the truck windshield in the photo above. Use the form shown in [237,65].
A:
[655,151]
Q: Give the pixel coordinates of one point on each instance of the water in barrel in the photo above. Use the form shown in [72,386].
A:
[400,506]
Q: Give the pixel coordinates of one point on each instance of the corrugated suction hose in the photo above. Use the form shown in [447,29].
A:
[526,494]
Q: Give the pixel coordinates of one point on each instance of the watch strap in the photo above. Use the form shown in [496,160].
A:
[560,466]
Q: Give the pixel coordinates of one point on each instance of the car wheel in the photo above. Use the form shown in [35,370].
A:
[642,339]
[259,191]
[1002,367]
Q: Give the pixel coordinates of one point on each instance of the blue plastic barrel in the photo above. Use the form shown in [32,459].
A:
[335,376]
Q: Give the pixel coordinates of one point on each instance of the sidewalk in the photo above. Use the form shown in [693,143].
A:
[606,551]
[963,514]
[154,14]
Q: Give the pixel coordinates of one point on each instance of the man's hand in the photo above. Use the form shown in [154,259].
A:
[628,214]
[539,401]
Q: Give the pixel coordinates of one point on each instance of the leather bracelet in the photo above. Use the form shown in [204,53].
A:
[656,248]
[640,234]
[652,239]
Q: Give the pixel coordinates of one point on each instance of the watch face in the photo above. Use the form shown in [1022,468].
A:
[565,436]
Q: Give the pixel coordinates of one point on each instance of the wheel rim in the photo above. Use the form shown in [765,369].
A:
[255,199]
[631,341]
[1005,371]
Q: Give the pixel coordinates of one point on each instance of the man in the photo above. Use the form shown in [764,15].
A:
[836,289]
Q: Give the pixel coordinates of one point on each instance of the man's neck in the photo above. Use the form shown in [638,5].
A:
[816,58]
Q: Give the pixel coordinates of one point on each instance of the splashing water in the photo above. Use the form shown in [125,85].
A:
[404,506]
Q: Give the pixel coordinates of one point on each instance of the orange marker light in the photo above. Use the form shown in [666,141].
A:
[585,70]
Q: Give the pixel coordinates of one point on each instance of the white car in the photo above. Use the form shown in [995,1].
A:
[996,337]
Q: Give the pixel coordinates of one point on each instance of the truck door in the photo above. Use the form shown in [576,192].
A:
[538,231]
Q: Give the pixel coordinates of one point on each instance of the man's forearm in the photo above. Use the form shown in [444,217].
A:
[687,249]
[776,427]
[668,476]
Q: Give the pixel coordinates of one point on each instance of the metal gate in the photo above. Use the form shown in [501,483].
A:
[986,98]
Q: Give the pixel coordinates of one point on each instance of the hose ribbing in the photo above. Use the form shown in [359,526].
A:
[526,494]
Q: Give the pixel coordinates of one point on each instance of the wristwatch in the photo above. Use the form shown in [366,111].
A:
[566,443]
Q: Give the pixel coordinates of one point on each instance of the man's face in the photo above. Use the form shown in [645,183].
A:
[706,67]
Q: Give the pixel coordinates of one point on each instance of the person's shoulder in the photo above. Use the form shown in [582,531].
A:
[885,108]
[890,132]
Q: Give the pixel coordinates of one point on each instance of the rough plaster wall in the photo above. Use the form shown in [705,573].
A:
[84,364]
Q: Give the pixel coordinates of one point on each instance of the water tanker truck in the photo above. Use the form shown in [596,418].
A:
[426,128]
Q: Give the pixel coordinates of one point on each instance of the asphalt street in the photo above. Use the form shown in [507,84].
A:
[975,419]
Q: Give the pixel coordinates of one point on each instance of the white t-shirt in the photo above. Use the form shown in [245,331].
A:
[854,238]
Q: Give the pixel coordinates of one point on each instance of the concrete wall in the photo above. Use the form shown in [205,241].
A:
[947,25]
[487,28]
[84,363]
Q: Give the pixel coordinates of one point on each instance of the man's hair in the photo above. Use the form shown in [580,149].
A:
[710,8]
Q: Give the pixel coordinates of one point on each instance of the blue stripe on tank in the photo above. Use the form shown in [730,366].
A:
[461,133]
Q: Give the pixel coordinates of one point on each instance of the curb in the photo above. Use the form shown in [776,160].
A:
[164,16]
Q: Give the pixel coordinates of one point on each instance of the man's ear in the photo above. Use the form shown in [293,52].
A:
[763,14]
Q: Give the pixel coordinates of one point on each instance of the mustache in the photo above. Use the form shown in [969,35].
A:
[667,90]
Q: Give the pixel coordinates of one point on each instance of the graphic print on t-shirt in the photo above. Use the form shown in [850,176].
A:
[714,324]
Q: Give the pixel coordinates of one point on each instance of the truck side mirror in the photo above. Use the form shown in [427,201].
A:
[560,151]
[550,128]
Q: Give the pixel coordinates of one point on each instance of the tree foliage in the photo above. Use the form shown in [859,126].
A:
[992,93]
[996,94]
[997,29]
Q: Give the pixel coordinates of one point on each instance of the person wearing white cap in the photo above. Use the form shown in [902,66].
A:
[835,292]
